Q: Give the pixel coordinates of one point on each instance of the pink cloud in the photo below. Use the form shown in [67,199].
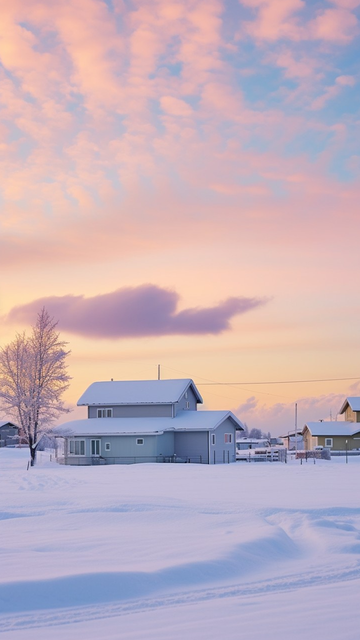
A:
[346,4]
[134,312]
[280,19]
[347,81]
[220,99]
[145,220]
[92,160]
[175,107]
[296,65]
[334,25]
[275,19]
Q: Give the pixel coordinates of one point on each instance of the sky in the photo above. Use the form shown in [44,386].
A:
[180,186]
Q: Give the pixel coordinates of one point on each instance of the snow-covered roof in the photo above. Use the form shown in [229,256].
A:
[123,392]
[353,402]
[5,422]
[291,434]
[184,421]
[333,428]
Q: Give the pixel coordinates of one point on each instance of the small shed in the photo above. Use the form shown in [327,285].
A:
[9,434]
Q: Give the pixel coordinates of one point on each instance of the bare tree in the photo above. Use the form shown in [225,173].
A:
[33,377]
[256,434]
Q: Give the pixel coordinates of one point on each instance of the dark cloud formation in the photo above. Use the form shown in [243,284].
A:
[141,311]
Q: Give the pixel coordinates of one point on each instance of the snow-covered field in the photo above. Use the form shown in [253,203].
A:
[165,552]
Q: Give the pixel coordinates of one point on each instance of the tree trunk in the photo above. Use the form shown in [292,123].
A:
[32,452]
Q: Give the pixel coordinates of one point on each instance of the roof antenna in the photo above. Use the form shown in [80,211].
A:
[158,372]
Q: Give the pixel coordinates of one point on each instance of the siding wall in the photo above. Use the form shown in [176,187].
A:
[121,447]
[165,444]
[8,436]
[192,445]
[135,411]
[350,415]
[124,446]
[191,399]
[339,442]
[223,452]
[307,439]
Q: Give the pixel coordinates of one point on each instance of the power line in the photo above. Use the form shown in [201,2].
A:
[263,393]
[275,382]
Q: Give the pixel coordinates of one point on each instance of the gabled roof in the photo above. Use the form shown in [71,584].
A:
[353,402]
[332,428]
[3,423]
[125,392]
[184,421]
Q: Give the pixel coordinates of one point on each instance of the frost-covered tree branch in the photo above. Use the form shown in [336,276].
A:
[33,378]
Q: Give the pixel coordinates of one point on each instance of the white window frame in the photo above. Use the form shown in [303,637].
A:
[187,404]
[213,439]
[107,446]
[140,441]
[104,413]
[95,455]
[329,442]
[72,444]
[228,438]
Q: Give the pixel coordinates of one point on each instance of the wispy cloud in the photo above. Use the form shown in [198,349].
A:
[333,91]
[147,118]
[287,20]
[142,311]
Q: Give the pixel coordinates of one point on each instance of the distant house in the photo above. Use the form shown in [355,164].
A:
[9,434]
[332,435]
[293,440]
[351,409]
[337,435]
[147,421]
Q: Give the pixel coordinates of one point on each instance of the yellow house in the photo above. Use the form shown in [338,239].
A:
[351,409]
[339,436]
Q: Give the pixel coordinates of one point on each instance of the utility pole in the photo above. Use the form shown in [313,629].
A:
[296,447]
[158,372]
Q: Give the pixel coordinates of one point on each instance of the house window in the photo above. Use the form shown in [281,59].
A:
[228,438]
[186,395]
[104,413]
[139,440]
[76,447]
[107,446]
[328,442]
[213,438]
[187,404]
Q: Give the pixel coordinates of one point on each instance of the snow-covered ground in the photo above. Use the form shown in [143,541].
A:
[169,552]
